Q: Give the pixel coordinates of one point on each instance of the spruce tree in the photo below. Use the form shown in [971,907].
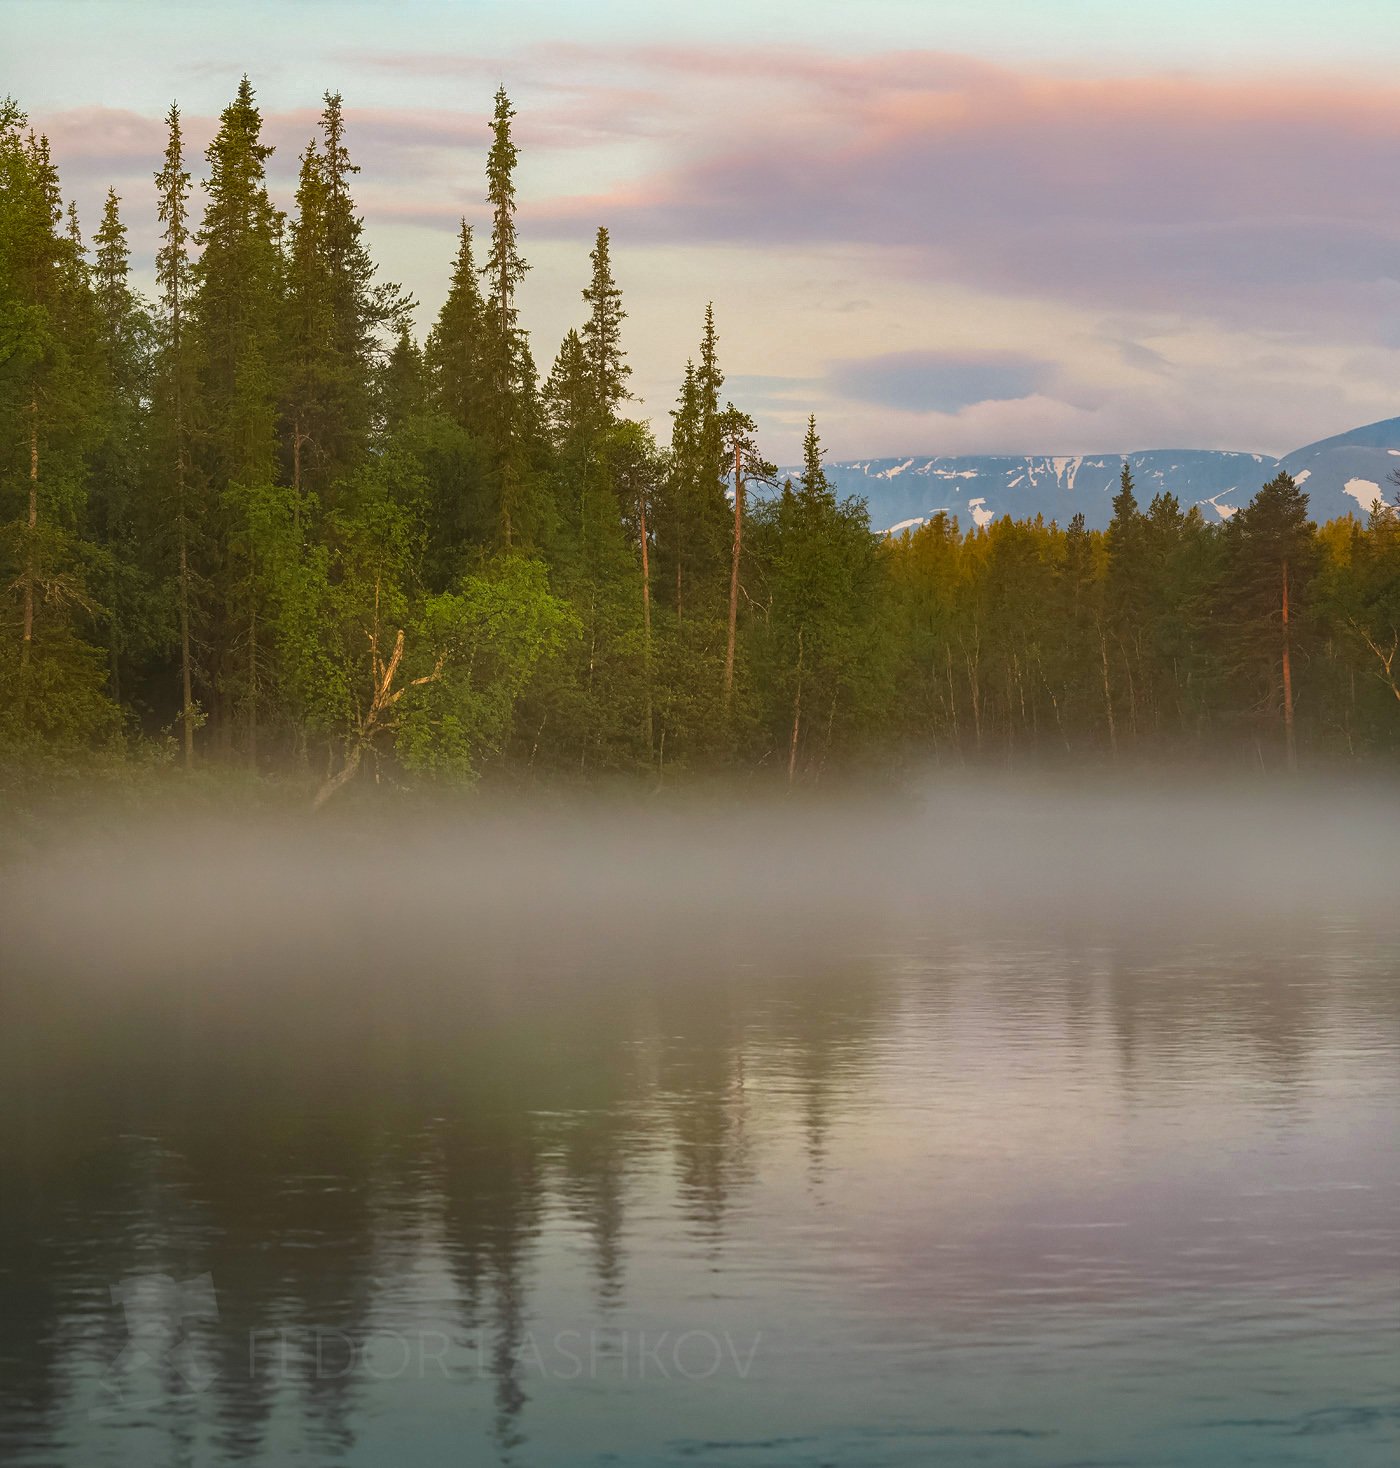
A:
[737,433]
[510,371]
[1125,599]
[124,345]
[51,675]
[403,383]
[570,401]
[1272,558]
[456,352]
[602,335]
[693,522]
[174,398]
[340,319]
[237,310]
[238,284]
[815,485]
[311,370]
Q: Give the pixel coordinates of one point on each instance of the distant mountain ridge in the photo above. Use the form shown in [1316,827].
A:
[1345,474]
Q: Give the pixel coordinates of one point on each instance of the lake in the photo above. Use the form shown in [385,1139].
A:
[979,1130]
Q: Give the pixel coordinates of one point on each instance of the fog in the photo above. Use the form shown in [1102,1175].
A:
[206,898]
[1019,1113]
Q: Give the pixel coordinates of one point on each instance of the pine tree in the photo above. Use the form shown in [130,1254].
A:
[737,433]
[1272,557]
[175,390]
[602,336]
[815,484]
[123,340]
[456,351]
[693,520]
[51,676]
[1125,597]
[238,283]
[708,381]
[510,371]
[339,318]
[403,383]
[310,338]
[504,268]
[675,520]
[237,308]
[570,402]
[820,569]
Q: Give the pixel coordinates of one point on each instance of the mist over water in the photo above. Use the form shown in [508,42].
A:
[1006,1124]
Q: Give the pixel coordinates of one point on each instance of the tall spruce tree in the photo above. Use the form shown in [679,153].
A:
[52,676]
[124,345]
[738,434]
[457,350]
[341,319]
[510,370]
[602,335]
[174,398]
[237,302]
[1125,601]
[694,518]
[1272,558]
[815,644]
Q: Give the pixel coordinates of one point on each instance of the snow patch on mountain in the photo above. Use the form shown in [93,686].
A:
[1366,492]
[1342,476]
[1224,511]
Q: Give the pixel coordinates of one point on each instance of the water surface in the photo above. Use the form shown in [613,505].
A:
[558,1148]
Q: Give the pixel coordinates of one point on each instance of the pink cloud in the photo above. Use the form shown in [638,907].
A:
[1155,192]
[1249,200]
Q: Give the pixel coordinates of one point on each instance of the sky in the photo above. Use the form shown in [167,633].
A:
[1010,226]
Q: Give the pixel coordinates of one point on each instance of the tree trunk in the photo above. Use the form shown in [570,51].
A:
[952,697]
[253,686]
[32,522]
[796,714]
[343,776]
[646,613]
[1288,680]
[1108,698]
[186,677]
[973,660]
[734,578]
[296,474]
[182,520]
[1132,690]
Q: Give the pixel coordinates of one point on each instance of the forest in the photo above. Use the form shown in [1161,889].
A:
[263,522]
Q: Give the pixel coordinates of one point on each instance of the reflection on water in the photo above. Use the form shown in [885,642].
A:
[708,1192]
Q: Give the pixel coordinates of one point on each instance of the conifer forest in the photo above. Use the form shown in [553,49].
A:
[271,521]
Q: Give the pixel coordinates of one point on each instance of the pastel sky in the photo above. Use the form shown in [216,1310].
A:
[1053,226]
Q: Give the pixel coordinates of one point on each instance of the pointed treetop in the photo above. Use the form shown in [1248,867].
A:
[602,334]
[815,484]
[505,269]
[710,379]
[112,261]
[172,207]
[1125,501]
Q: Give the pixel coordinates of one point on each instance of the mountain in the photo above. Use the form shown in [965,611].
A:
[1341,475]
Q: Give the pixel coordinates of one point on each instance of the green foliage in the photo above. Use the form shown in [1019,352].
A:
[257,524]
[455,356]
[475,649]
[602,335]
